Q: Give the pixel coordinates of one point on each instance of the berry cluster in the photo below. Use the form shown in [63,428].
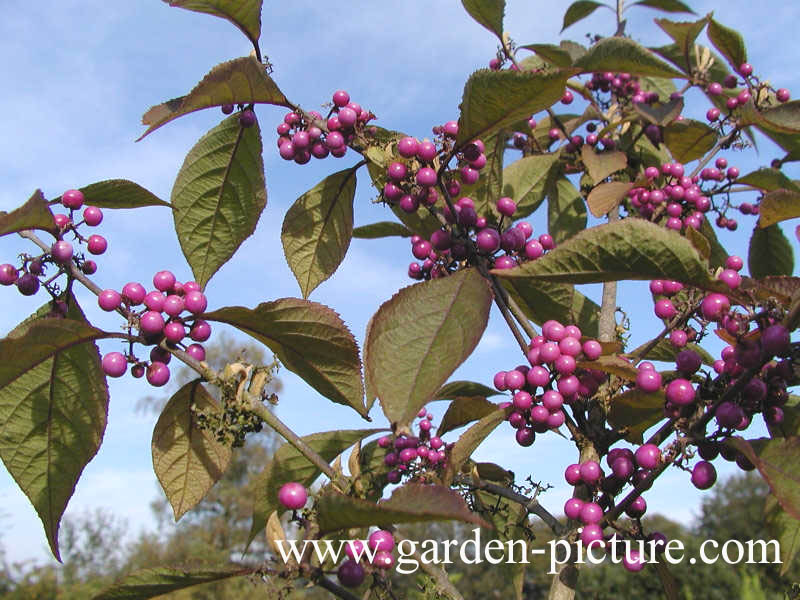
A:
[351,573]
[554,368]
[161,320]
[413,456]
[30,275]
[622,87]
[735,98]
[302,136]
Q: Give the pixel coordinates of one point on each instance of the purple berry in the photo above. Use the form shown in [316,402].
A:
[350,574]
[61,251]
[704,475]
[591,513]
[96,244]
[73,199]
[488,241]
[648,456]
[783,95]
[572,508]
[157,374]
[572,474]
[590,472]
[506,206]
[114,364]
[109,300]
[293,495]
[247,118]
[381,540]
[133,293]
[715,306]
[648,380]
[775,340]
[200,331]
[8,274]
[92,216]
[151,323]
[174,331]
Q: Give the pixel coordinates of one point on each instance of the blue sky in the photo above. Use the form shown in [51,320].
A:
[79,75]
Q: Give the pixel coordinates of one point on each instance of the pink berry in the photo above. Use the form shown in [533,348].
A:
[61,251]
[633,561]
[572,508]
[590,472]
[114,364]
[92,216]
[96,244]
[680,392]
[506,206]
[704,475]
[174,305]
[109,300]
[664,309]
[8,274]
[407,147]
[572,474]
[157,374]
[648,456]
[648,381]
[200,331]
[151,322]
[133,293]
[341,98]
[715,306]
[174,331]
[381,540]
[195,302]
[154,301]
[426,150]
[592,349]
[292,496]
[592,535]
[783,95]
[591,513]
[73,199]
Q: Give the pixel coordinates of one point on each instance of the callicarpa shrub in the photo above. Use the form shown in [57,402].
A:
[602,128]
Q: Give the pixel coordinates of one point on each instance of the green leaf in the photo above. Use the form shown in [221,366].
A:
[612,364]
[120,193]
[455,389]
[770,253]
[607,196]
[496,99]
[718,253]
[623,54]
[288,465]
[310,340]
[317,229]
[381,229]
[776,461]
[149,583]
[566,210]
[245,14]
[689,140]
[768,180]
[600,165]
[555,55]
[685,35]
[471,439]
[785,529]
[664,351]
[411,503]
[661,114]
[463,410]
[659,85]
[671,6]
[219,195]
[488,13]
[188,459]
[34,214]
[53,409]
[579,10]
[626,249]
[777,206]
[437,323]
[636,411]
[239,81]
[784,117]
[542,301]
[729,42]
[525,181]
[490,184]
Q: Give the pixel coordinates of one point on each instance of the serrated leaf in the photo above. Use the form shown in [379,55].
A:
[317,229]
[542,301]
[149,583]
[607,196]
[469,441]
[552,54]
[689,140]
[289,465]
[488,13]
[463,410]
[525,181]
[120,193]
[411,503]
[619,54]
[636,411]
[785,529]
[245,14]
[579,10]
[239,81]
[219,195]
[310,340]
[34,214]
[768,180]
[770,253]
[782,287]
[661,114]
[494,100]
[729,42]
[626,249]
[438,323]
[776,461]
[381,229]
[53,409]
[777,206]
[455,389]
[610,363]
[602,164]
[684,35]
[671,6]
[187,458]
[566,210]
